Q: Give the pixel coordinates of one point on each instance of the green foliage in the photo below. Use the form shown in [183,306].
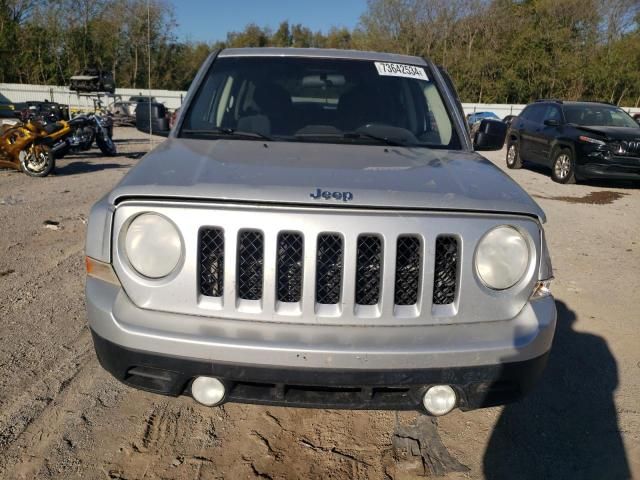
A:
[496,50]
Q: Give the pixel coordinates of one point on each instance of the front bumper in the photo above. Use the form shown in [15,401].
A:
[612,171]
[356,367]
[475,387]
[602,164]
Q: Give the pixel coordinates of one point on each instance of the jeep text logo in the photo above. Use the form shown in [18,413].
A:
[327,195]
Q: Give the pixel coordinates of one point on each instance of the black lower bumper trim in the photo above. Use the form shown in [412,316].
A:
[609,171]
[476,387]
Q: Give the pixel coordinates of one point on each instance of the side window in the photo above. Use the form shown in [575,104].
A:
[202,115]
[552,113]
[449,84]
[526,113]
[537,113]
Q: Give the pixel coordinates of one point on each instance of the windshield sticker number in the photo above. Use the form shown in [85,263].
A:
[401,70]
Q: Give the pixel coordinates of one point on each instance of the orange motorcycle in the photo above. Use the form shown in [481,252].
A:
[27,146]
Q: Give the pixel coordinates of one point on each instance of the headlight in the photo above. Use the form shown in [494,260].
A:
[595,141]
[502,257]
[153,245]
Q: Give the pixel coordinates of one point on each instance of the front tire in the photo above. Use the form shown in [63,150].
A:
[513,155]
[563,169]
[37,161]
[106,145]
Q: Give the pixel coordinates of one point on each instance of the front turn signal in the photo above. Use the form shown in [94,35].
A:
[101,270]
[542,289]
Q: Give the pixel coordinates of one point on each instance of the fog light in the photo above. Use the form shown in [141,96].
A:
[439,399]
[207,391]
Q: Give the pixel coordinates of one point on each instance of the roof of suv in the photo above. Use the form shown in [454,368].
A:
[575,102]
[321,53]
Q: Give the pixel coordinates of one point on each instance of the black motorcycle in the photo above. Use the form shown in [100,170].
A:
[84,130]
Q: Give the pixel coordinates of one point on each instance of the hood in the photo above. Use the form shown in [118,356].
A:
[613,133]
[324,175]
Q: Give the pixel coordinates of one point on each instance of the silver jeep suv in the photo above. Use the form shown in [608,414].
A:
[317,231]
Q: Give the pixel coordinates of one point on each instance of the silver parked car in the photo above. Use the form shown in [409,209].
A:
[318,231]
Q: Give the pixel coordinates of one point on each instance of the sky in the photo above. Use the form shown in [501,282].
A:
[210,20]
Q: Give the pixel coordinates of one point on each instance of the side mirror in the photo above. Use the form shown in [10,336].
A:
[152,118]
[552,123]
[490,135]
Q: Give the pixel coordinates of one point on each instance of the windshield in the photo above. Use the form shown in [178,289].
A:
[320,100]
[598,116]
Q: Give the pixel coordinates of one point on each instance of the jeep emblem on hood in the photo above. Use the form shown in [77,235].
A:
[328,195]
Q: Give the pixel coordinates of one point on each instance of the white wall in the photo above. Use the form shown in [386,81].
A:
[500,109]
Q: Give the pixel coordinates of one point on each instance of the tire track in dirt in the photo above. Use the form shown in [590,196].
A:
[34,402]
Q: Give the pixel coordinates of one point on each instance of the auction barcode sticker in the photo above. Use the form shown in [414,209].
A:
[401,70]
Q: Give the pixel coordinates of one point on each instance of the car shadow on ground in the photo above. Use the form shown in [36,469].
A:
[602,183]
[75,168]
[131,141]
[568,426]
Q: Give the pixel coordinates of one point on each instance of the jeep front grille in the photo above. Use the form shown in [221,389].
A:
[407,271]
[211,260]
[289,262]
[250,265]
[446,270]
[323,266]
[329,267]
[368,270]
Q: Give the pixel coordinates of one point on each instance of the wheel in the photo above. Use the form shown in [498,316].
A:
[563,167]
[106,146]
[37,161]
[513,155]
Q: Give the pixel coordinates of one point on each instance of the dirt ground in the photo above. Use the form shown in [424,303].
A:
[62,416]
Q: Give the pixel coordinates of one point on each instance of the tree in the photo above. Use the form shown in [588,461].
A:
[495,50]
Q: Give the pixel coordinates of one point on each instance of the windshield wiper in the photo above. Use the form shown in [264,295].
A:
[226,131]
[348,135]
[380,138]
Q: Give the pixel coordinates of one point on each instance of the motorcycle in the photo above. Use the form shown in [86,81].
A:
[32,146]
[86,129]
[28,146]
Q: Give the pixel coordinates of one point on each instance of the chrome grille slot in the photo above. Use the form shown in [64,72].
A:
[250,265]
[408,268]
[446,270]
[289,261]
[329,266]
[211,261]
[368,270]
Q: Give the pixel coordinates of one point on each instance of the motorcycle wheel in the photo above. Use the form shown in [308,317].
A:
[106,146]
[37,161]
